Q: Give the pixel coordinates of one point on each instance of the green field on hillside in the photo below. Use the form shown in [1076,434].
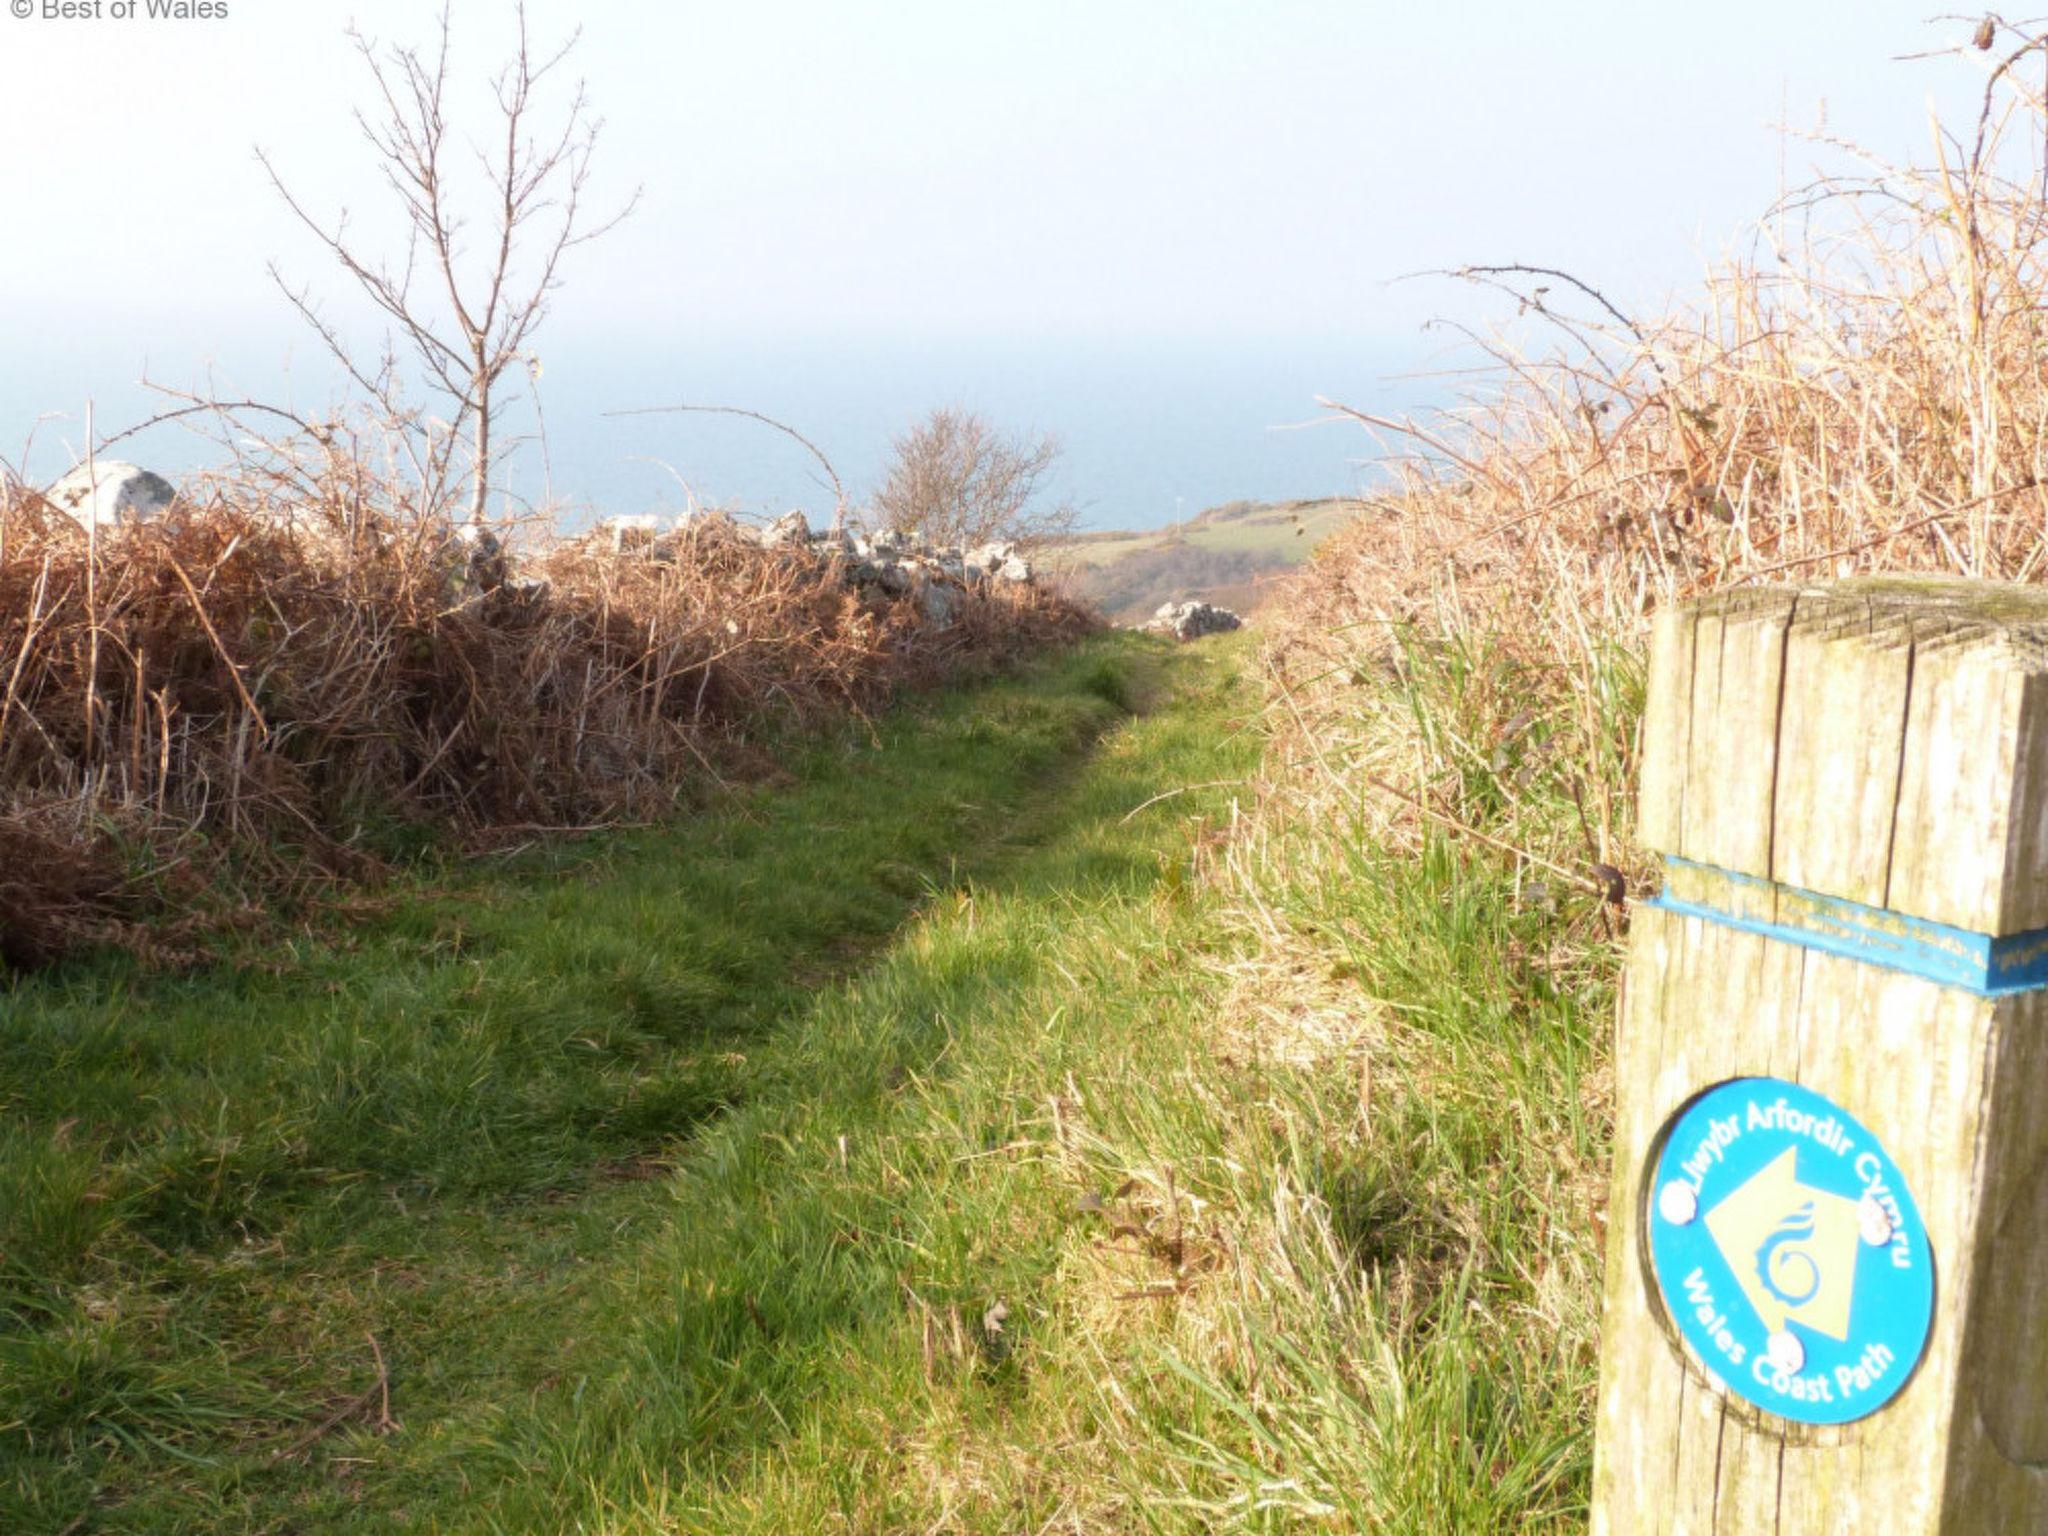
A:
[1224,556]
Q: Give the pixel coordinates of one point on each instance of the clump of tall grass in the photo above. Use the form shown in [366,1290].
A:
[315,675]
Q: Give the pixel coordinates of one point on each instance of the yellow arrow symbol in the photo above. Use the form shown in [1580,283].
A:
[1791,1247]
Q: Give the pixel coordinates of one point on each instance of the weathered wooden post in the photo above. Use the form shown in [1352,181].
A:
[1827,1270]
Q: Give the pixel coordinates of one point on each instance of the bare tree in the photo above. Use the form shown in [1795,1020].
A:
[466,316]
[956,480]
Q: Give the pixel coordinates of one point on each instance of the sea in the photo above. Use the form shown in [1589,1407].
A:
[1151,429]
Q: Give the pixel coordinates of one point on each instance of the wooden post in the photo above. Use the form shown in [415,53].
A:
[1826,1302]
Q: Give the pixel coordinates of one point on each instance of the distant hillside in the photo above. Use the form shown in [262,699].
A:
[1226,556]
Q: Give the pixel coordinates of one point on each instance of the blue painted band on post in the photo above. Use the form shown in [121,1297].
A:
[1988,965]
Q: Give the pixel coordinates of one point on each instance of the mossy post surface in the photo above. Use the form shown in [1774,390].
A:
[1849,784]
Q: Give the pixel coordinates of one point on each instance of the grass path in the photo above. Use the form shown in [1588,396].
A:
[577,1193]
[941,1141]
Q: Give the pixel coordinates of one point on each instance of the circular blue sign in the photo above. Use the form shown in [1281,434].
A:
[1788,1251]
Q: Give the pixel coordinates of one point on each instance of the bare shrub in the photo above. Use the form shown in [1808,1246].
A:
[956,479]
[1864,391]
[466,318]
[243,674]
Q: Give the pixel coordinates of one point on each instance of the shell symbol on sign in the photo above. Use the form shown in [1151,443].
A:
[1792,1248]
[1781,1253]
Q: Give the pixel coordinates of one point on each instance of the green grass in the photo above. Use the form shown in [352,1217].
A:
[1289,529]
[1221,556]
[932,1143]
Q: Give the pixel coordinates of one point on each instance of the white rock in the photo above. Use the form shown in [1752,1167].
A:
[996,562]
[481,555]
[790,528]
[939,603]
[631,530]
[108,493]
[1191,621]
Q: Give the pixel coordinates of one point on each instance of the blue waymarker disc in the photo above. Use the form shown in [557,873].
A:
[1788,1251]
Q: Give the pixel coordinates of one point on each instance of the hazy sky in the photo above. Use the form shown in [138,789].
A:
[1113,176]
